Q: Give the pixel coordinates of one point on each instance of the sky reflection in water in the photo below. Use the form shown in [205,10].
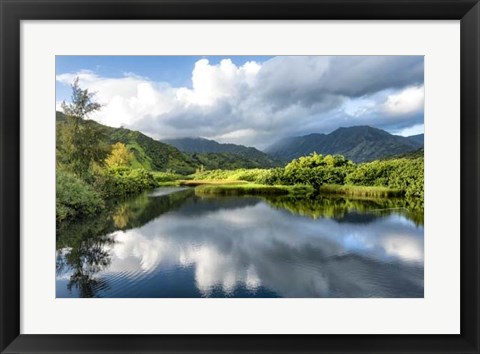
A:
[245,247]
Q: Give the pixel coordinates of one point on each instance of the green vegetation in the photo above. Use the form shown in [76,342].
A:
[89,170]
[403,174]
[360,191]
[120,181]
[151,154]
[251,189]
[214,155]
[227,160]
[75,198]
[96,163]
[251,175]
[195,182]
[333,174]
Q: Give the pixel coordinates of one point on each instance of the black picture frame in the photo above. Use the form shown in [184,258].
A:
[14,11]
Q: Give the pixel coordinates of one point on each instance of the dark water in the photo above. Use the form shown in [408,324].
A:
[171,243]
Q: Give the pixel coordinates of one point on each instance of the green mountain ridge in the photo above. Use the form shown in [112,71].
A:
[357,143]
[148,152]
[419,138]
[202,148]
[155,155]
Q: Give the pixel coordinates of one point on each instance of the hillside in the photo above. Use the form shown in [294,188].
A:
[205,148]
[407,155]
[148,153]
[416,138]
[358,143]
[159,156]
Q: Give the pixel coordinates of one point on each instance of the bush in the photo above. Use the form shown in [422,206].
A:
[403,174]
[121,181]
[272,176]
[166,176]
[242,174]
[75,198]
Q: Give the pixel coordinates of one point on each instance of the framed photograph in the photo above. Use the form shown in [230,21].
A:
[237,176]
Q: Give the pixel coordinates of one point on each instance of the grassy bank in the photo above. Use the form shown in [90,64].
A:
[197,182]
[245,188]
[250,189]
[360,191]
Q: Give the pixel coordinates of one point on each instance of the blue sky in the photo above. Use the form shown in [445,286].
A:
[250,100]
[177,70]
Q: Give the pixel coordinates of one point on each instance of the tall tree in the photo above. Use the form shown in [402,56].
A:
[80,143]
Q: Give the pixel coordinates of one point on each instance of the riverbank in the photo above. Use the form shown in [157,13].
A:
[361,191]
[245,188]
[251,189]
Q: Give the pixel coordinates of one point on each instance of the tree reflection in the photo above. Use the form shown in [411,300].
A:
[343,209]
[83,247]
[88,259]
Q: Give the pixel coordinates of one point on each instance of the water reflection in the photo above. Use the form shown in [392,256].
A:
[174,244]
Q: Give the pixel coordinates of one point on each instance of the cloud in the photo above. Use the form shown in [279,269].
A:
[407,101]
[258,103]
[249,244]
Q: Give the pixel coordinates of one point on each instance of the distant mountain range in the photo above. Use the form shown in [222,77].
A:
[417,138]
[204,147]
[358,143]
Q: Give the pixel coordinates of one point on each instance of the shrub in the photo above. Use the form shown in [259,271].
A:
[75,198]
[121,181]
[167,176]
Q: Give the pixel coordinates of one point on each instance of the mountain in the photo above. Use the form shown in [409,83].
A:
[357,143]
[416,138]
[148,153]
[154,155]
[407,155]
[206,148]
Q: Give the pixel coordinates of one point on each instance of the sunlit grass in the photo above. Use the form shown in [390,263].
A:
[360,191]
[200,182]
[250,189]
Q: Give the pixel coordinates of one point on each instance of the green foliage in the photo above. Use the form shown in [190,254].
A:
[361,191]
[82,102]
[80,144]
[151,154]
[250,189]
[335,174]
[225,156]
[120,156]
[316,169]
[272,176]
[229,161]
[75,198]
[242,174]
[167,176]
[403,174]
[122,181]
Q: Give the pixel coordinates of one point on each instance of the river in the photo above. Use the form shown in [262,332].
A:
[171,243]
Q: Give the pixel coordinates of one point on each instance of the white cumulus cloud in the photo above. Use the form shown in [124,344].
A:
[257,103]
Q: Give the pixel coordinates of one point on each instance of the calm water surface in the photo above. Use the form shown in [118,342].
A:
[172,243]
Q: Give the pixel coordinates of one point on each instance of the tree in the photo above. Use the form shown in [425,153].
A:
[80,143]
[120,156]
[82,102]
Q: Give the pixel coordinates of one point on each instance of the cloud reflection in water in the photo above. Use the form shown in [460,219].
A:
[248,244]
